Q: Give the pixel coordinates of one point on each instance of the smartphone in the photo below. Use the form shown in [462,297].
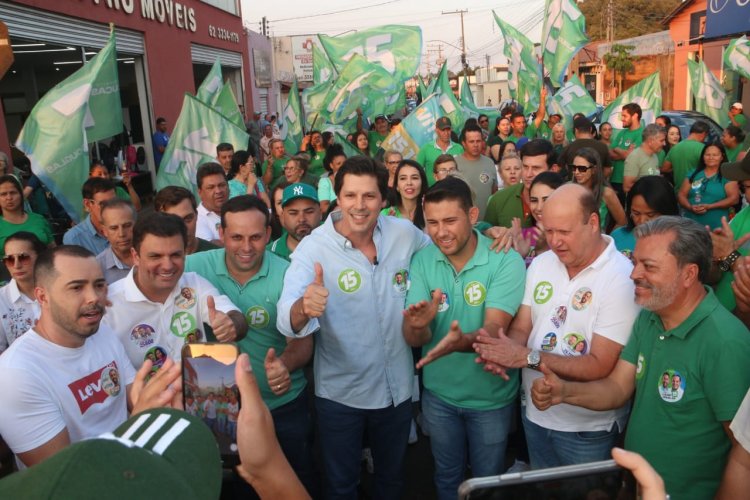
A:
[603,480]
[210,392]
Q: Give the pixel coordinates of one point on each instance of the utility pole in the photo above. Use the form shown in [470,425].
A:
[610,21]
[463,36]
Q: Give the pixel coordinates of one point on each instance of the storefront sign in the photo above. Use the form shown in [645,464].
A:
[162,11]
[727,17]
[302,58]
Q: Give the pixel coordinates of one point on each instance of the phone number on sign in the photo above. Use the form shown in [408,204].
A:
[223,34]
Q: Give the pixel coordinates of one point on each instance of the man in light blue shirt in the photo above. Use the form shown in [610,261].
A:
[89,233]
[355,297]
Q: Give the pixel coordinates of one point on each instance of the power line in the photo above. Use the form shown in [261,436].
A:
[353,9]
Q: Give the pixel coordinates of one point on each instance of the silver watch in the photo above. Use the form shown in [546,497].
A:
[533,359]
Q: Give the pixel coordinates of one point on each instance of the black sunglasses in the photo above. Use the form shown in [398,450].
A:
[580,168]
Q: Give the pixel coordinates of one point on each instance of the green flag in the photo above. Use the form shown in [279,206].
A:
[292,132]
[339,137]
[646,93]
[710,96]
[211,85]
[54,136]
[421,87]
[313,99]
[563,35]
[448,104]
[467,98]
[737,56]
[104,103]
[197,132]
[395,48]
[524,72]
[570,99]
[225,103]
[322,68]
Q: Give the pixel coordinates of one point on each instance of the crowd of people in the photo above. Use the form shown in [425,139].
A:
[547,283]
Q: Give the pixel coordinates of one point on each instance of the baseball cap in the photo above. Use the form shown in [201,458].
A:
[379,117]
[443,123]
[737,105]
[163,453]
[738,170]
[299,190]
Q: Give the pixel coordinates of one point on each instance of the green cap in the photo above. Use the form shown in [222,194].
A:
[162,453]
[299,190]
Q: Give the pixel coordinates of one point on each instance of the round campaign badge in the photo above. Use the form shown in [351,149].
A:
[400,281]
[582,298]
[142,335]
[186,298]
[549,342]
[574,344]
[542,292]
[257,317]
[484,178]
[157,355]
[183,324]
[110,380]
[671,386]
[445,301]
[349,281]
[475,293]
[559,315]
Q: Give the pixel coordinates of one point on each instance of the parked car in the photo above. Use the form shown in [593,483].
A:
[685,120]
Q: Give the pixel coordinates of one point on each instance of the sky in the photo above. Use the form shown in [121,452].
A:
[333,17]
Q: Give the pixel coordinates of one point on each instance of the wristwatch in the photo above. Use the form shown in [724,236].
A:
[726,263]
[533,359]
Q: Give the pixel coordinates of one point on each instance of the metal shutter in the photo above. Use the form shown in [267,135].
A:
[207,55]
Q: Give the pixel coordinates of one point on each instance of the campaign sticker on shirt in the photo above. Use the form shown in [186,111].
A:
[257,317]
[445,301]
[542,292]
[484,178]
[559,315]
[475,293]
[110,380]
[349,281]
[549,342]
[671,386]
[157,355]
[142,335]
[582,298]
[186,298]
[183,324]
[640,368]
[401,281]
[574,344]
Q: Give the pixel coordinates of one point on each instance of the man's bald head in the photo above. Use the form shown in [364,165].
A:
[573,199]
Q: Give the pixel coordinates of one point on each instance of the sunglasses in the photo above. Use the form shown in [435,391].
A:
[580,168]
[22,258]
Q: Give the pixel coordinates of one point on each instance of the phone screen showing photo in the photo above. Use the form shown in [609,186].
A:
[210,392]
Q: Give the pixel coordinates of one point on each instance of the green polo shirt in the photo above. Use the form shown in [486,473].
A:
[278,168]
[488,280]
[684,157]
[280,247]
[529,133]
[257,299]
[429,153]
[623,141]
[506,204]
[678,428]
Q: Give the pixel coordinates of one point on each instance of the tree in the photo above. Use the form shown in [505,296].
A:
[620,61]
[631,17]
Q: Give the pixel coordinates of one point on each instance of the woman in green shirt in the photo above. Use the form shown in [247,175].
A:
[15,218]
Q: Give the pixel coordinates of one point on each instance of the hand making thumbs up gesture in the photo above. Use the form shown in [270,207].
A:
[222,325]
[547,391]
[316,295]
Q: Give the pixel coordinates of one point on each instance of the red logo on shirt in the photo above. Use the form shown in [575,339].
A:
[97,387]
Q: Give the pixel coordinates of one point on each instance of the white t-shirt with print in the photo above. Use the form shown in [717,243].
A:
[18,314]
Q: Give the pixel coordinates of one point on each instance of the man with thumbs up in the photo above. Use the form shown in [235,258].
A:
[251,277]
[157,308]
[482,290]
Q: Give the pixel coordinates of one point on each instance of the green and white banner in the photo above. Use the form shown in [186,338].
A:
[292,132]
[737,56]
[449,105]
[563,35]
[225,103]
[211,85]
[313,99]
[322,68]
[59,128]
[467,98]
[710,97]
[646,93]
[395,48]
[197,132]
[570,99]
[524,71]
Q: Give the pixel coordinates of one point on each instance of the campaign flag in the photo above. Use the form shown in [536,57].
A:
[395,48]
[421,87]
[55,136]
[225,103]
[524,71]
[710,97]
[322,68]
[291,132]
[563,35]
[467,98]
[313,99]
[646,93]
[737,56]
[211,85]
[197,132]
[339,137]
[448,104]
[570,99]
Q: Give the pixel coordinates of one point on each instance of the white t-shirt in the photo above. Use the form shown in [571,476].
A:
[18,314]
[207,226]
[155,330]
[232,411]
[45,388]
[741,423]
[565,314]
[209,408]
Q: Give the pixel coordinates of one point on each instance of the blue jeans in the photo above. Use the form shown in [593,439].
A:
[452,429]
[232,430]
[294,431]
[550,448]
[342,430]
